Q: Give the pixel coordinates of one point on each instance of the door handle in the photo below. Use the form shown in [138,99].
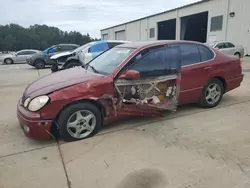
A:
[208,68]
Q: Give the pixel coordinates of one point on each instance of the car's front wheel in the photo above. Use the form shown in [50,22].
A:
[39,64]
[212,93]
[79,121]
[8,61]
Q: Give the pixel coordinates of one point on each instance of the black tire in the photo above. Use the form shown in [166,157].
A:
[237,54]
[39,64]
[72,64]
[8,61]
[204,102]
[67,113]
[54,68]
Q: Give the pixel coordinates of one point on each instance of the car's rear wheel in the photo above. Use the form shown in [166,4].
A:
[8,61]
[212,93]
[237,54]
[39,64]
[79,121]
[72,65]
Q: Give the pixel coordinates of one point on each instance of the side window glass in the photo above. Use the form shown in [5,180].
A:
[54,49]
[173,55]
[189,54]
[22,53]
[99,48]
[18,53]
[30,52]
[67,48]
[152,64]
[229,45]
[63,48]
[74,47]
[220,46]
[205,53]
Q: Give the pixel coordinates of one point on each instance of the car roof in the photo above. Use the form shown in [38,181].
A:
[121,41]
[220,41]
[28,50]
[66,45]
[142,44]
[114,41]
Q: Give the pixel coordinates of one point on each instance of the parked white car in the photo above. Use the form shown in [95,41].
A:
[83,54]
[17,57]
[228,48]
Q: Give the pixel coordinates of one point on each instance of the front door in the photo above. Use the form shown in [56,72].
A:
[195,72]
[156,87]
[21,56]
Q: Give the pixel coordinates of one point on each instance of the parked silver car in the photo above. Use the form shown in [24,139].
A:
[18,57]
[228,48]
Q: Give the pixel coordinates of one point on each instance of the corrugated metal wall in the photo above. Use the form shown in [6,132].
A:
[235,29]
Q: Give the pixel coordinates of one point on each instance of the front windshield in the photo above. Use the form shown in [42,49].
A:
[82,47]
[48,48]
[108,61]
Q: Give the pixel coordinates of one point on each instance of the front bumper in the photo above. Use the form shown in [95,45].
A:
[30,62]
[32,124]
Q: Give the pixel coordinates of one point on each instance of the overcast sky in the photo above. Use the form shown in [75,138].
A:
[86,16]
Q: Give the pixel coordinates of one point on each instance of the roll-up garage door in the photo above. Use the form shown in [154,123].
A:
[120,35]
[105,37]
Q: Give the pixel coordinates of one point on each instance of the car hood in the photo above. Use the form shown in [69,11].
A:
[7,55]
[59,80]
[60,55]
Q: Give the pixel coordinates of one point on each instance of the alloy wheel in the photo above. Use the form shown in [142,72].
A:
[81,124]
[213,93]
[8,61]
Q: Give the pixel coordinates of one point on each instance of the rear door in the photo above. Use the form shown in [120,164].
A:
[157,87]
[21,56]
[29,53]
[222,47]
[196,71]
[229,48]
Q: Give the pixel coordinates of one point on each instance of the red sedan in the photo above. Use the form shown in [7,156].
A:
[134,79]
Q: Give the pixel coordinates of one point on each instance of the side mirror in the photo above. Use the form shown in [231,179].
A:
[130,74]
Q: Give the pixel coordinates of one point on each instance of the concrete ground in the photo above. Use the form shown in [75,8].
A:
[190,148]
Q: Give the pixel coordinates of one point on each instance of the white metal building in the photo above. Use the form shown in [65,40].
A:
[204,21]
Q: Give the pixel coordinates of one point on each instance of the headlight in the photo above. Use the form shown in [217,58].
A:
[26,102]
[37,103]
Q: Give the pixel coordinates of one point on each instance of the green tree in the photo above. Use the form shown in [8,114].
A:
[15,37]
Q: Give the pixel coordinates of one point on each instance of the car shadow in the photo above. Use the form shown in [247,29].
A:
[33,68]
[131,122]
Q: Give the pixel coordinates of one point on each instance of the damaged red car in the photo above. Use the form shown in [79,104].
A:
[134,79]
